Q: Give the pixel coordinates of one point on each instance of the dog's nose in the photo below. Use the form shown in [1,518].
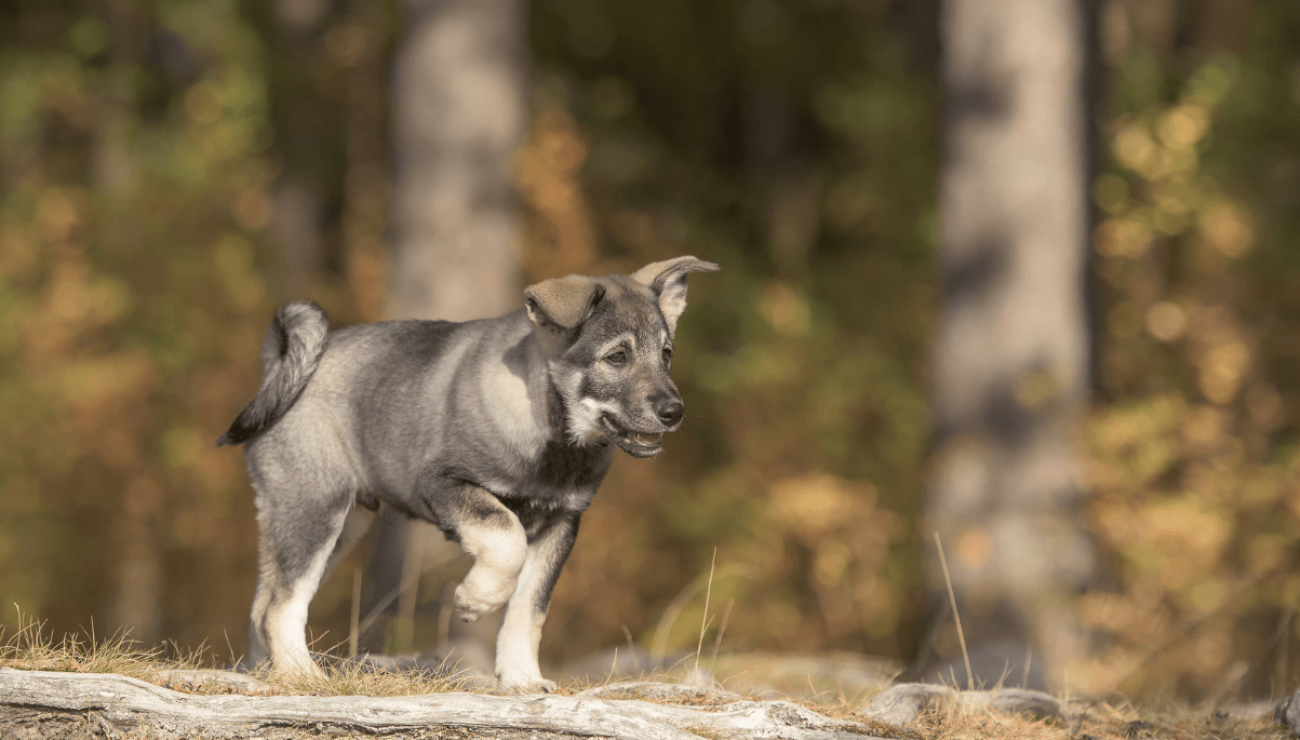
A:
[669,410]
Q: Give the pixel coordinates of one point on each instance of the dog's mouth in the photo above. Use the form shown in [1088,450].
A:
[636,444]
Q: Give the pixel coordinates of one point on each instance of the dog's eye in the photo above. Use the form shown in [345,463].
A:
[616,358]
[668,355]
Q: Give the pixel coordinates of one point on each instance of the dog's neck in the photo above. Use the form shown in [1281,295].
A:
[530,359]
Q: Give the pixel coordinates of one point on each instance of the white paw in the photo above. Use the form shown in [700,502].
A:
[523,682]
[298,666]
[475,598]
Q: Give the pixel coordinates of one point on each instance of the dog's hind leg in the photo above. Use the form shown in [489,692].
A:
[521,630]
[297,541]
[492,534]
[356,524]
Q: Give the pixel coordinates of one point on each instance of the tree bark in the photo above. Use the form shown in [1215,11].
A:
[40,704]
[1013,351]
[459,109]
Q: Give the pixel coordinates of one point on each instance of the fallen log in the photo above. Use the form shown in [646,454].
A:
[905,703]
[42,704]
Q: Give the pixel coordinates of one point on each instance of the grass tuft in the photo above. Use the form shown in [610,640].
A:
[354,678]
[1099,721]
[32,648]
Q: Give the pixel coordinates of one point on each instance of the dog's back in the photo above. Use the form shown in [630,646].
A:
[393,399]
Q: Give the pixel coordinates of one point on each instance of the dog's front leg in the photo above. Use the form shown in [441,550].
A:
[493,536]
[521,630]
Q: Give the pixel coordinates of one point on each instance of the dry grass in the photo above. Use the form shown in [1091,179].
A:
[1100,721]
[30,648]
[847,683]
[821,679]
[354,679]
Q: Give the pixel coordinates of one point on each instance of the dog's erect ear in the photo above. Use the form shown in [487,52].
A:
[668,281]
[563,303]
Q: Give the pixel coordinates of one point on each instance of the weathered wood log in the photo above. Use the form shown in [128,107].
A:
[41,704]
[905,703]
[664,692]
[211,681]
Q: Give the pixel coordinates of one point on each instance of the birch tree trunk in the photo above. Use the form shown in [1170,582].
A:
[459,110]
[1012,354]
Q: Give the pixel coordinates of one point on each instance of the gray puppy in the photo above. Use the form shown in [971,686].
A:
[497,431]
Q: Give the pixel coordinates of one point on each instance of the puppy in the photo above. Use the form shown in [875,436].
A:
[497,431]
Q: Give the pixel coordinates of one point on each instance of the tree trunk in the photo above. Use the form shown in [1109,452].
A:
[459,109]
[1013,349]
[458,116]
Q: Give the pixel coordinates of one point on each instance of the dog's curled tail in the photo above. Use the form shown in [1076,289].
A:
[291,351]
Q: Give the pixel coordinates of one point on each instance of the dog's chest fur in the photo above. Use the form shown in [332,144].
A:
[558,475]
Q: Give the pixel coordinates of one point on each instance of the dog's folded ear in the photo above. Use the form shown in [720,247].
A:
[668,281]
[562,303]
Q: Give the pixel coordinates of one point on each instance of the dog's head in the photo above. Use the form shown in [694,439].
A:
[609,343]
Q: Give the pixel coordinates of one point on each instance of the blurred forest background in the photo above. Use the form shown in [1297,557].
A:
[172,170]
